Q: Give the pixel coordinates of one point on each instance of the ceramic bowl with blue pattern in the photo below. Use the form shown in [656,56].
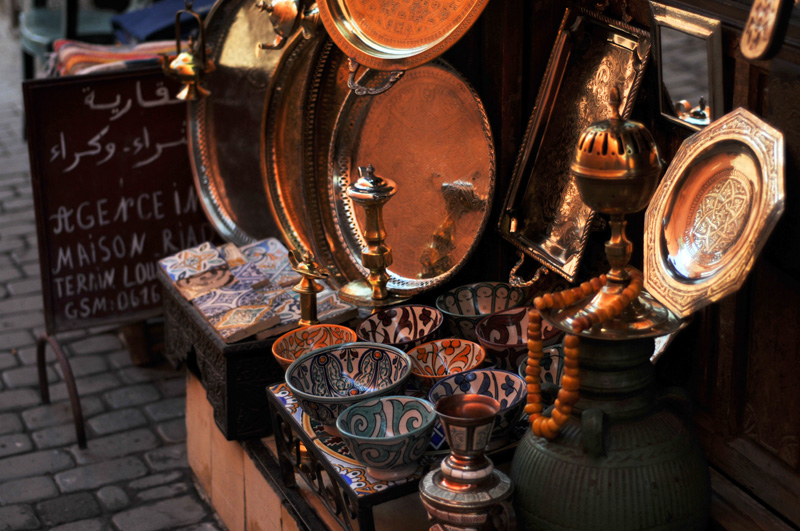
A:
[329,380]
[504,336]
[404,327]
[464,306]
[434,360]
[388,434]
[506,387]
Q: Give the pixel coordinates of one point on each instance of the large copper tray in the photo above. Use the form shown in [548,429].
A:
[397,35]
[543,214]
[225,128]
[429,134]
[713,211]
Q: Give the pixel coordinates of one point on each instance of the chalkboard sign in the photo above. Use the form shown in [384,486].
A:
[113,192]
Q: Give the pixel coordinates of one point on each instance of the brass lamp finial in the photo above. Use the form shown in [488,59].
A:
[187,67]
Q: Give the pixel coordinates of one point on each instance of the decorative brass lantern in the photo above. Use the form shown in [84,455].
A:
[609,455]
[191,66]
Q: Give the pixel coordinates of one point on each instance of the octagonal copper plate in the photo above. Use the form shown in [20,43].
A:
[713,211]
[225,128]
[397,35]
[429,134]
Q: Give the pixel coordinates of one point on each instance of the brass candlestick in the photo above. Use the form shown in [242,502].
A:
[371,193]
[308,287]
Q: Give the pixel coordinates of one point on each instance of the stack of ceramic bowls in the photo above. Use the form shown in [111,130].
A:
[464,306]
[329,380]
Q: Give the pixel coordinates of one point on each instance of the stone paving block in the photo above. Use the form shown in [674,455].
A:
[9,244]
[21,321]
[31,270]
[10,422]
[27,285]
[17,518]
[133,395]
[155,480]
[112,498]
[27,490]
[165,491]
[13,444]
[7,360]
[20,229]
[26,256]
[133,375]
[55,436]
[27,355]
[113,446]
[34,464]
[114,421]
[172,431]
[25,303]
[119,359]
[95,345]
[15,339]
[18,398]
[84,366]
[10,272]
[167,458]
[93,524]
[99,474]
[162,515]
[67,509]
[173,387]
[89,385]
[166,409]
[59,413]
[27,377]
[18,204]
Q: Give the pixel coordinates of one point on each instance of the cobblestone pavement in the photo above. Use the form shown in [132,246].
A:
[134,474]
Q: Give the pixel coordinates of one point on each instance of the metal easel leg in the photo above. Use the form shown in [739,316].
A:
[69,380]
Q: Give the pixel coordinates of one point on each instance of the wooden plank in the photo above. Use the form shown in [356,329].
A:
[734,510]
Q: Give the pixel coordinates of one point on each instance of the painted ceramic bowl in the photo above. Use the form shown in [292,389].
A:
[432,361]
[551,368]
[294,344]
[329,380]
[464,306]
[404,327]
[388,434]
[504,336]
[504,386]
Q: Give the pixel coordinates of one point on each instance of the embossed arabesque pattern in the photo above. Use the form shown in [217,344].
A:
[684,296]
[552,222]
[446,96]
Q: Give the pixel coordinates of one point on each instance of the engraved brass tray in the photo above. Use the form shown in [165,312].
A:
[397,35]
[225,128]
[713,211]
[429,134]
[543,214]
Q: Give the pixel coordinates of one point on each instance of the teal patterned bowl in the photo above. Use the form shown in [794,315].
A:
[329,380]
[388,434]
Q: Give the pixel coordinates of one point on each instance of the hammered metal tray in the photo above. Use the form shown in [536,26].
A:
[225,128]
[429,134]
[543,214]
[397,35]
[713,212]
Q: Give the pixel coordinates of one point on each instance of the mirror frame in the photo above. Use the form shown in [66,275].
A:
[705,28]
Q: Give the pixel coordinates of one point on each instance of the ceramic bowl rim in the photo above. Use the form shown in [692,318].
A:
[500,346]
[440,298]
[433,330]
[339,399]
[428,423]
[522,396]
[435,377]
[296,330]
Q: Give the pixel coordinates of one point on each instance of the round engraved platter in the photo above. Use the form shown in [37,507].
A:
[430,135]
[225,128]
[713,211]
[399,34]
